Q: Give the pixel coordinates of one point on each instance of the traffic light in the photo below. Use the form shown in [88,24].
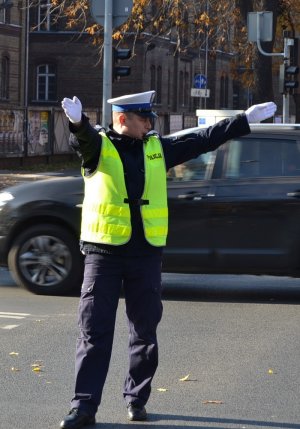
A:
[119,55]
[288,78]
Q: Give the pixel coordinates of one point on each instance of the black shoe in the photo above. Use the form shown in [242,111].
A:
[136,413]
[76,419]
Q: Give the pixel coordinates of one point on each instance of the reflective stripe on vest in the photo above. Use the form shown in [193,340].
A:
[106,215]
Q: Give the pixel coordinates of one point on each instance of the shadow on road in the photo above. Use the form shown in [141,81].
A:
[232,288]
[216,288]
[193,422]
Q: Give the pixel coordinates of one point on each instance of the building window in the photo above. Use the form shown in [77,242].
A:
[226,91]
[186,93]
[46,83]
[169,89]
[2,12]
[4,78]
[184,88]
[153,78]
[222,91]
[5,11]
[224,84]
[159,85]
[156,82]
[181,84]
[44,22]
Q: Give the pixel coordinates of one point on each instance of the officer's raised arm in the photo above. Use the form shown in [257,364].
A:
[260,112]
[73,110]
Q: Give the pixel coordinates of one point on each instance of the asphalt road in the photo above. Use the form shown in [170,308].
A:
[238,344]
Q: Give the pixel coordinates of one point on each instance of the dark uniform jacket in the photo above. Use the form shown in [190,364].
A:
[176,151]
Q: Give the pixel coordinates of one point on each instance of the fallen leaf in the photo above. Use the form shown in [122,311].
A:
[185,378]
[14,368]
[37,363]
[13,354]
[162,389]
[270,371]
[37,366]
[213,402]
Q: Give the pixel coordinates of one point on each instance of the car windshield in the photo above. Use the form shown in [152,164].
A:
[195,169]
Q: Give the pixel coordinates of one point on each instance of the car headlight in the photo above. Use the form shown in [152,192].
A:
[4,198]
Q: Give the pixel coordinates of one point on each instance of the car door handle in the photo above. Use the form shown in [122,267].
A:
[194,196]
[295,194]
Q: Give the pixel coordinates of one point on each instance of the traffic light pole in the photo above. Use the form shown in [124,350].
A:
[286,96]
[107,63]
[286,54]
[286,58]
[260,28]
[110,14]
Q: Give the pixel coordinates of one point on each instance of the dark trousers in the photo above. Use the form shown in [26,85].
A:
[104,277]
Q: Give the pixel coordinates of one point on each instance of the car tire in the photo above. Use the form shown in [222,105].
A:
[45,259]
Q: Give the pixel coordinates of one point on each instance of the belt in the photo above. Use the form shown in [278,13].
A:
[136,202]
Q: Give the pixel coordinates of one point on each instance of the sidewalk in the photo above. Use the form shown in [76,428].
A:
[11,178]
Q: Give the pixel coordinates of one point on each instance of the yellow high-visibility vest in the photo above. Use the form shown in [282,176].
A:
[106,212]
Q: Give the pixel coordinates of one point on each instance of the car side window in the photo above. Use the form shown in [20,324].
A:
[259,157]
[195,169]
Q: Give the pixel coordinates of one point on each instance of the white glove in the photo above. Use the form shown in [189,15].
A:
[260,112]
[72,109]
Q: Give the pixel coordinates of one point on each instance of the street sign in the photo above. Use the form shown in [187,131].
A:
[265,20]
[200,81]
[200,92]
[121,11]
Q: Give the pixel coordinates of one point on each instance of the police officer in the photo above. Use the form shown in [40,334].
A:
[124,229]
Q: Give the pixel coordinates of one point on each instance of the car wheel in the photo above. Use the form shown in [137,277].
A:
[46,260]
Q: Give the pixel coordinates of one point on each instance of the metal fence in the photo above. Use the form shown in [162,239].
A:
[11,132]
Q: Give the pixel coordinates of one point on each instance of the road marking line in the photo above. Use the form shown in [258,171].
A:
[9,326]
[15,314]
[11,317]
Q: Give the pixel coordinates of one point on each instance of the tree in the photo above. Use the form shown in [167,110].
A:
[190,22]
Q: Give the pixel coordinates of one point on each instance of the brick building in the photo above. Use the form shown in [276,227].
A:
[12,72]
[48,63]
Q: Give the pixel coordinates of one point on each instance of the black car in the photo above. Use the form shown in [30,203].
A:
[235,210]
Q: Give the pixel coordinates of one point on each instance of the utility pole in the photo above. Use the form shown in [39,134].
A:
[206,53]
[110,14]
[107,63]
